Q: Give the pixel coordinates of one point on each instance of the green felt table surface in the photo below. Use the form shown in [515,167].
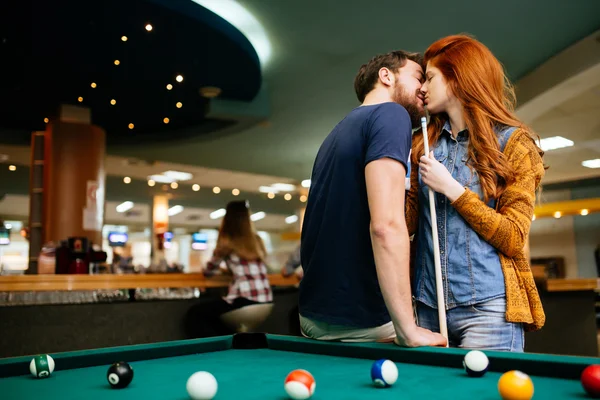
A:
[341,371]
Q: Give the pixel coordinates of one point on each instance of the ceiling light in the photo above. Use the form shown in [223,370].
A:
[235,192]
[291,219]
[93,85]
[584,212]
[117,62]
[216,190]
[161,178]
[179,104]
[169,86]
[555,142]
[126,206]
[124,38]
[287,196]
[271,195]
[174,185]
[174,210]
[179,78]
[284,187]
[210,92]
[166,120]
[195,187]
[12,168]
[131,126]
[595,163]
[113,102]
[127,179]
[257,216]
[148,27]
[557,214]
[218,213]
[178,175]
[46,120]
[80,99]
[306,183]
[267,189]
[151,182]
[303,198]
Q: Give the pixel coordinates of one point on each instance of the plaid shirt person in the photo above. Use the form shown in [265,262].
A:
[250,278]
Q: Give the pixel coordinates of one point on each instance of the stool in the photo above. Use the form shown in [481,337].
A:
[247,318]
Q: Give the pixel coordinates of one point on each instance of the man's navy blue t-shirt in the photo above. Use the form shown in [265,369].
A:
[340,283]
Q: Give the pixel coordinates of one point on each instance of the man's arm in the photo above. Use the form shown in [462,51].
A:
[391,249]
[389,236]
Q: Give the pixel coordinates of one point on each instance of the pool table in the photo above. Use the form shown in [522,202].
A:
[254,366]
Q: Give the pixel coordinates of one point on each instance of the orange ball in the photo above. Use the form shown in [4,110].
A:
[515,385]
[300,384]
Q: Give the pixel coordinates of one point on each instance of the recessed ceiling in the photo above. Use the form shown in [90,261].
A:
[100,55]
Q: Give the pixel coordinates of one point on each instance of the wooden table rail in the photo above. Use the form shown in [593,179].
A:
[570,285]
[38,283]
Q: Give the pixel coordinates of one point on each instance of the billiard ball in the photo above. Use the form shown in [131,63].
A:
[476,363]
[202,385]
[384,373]
[590,380]
[41,366]
[515,385]
[119,375]
[299,384]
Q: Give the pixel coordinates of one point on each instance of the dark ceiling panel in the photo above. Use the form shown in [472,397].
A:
[53,52]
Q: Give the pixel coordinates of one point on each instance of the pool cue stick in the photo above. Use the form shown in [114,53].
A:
[436,246]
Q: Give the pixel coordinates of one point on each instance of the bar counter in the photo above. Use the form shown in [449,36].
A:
[35,283]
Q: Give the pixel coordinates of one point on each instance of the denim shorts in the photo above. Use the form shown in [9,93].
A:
[480,326]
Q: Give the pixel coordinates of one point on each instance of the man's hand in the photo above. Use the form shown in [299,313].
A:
[421,337]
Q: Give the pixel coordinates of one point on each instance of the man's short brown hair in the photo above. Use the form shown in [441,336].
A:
[368,73]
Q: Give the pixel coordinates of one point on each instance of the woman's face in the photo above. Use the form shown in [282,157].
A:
[438,96]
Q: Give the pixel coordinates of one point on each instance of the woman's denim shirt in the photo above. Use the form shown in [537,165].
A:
[471,271]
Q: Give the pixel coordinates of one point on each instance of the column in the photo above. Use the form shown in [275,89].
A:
[73,179]
[160,225]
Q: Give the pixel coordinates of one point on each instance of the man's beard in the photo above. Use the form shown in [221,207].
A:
[410,103]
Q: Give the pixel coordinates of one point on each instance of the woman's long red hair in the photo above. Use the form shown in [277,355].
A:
[477,80]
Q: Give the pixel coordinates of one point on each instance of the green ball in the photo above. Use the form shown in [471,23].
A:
[41,366]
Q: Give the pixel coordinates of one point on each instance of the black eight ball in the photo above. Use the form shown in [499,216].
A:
[119,375]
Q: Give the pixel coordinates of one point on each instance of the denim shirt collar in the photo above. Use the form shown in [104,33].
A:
[462,135]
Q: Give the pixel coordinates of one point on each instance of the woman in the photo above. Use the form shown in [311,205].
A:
[484,167]
[243,253]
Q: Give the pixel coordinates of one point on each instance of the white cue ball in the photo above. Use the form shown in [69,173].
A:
[202,386]
[476,363]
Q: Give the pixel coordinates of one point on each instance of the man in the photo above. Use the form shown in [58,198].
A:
[355,245]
